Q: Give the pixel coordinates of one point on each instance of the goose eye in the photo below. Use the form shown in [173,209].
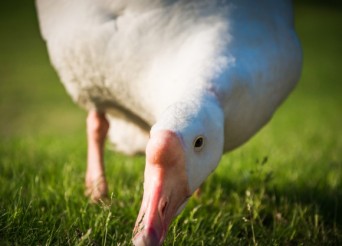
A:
[198,143]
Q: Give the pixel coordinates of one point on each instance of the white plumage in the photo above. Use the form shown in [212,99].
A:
[213,68]
[142,56]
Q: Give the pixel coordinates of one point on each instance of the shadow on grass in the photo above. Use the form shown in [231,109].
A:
[321,200]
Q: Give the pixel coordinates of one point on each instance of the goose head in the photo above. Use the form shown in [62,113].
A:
[185,146]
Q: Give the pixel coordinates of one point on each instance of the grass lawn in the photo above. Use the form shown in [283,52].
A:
[284,187]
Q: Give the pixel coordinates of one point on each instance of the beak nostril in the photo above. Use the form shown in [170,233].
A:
[163,208]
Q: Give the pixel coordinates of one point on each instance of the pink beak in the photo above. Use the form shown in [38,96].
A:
[165,188]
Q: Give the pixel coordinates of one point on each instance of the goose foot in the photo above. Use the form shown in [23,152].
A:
[96,189]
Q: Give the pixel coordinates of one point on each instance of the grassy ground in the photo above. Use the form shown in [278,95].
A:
[282,188]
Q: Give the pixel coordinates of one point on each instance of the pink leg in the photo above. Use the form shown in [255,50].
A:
[97,128]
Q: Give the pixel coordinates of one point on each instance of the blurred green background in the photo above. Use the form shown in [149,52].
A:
[32,100]
[303,141]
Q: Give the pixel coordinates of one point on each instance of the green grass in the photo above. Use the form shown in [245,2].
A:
[284,187]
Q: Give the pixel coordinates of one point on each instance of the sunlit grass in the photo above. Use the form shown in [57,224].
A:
[282,188]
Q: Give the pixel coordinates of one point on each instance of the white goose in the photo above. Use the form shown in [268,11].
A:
[200,77]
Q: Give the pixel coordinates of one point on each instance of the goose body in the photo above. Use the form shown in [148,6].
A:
[211,69]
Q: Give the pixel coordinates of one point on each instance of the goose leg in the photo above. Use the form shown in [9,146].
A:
[97,128]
